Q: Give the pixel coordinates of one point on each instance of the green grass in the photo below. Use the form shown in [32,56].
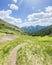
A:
[38,51]
[6,48]
[6,28]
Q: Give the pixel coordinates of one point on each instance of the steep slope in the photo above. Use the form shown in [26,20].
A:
[9,28]
[43,32]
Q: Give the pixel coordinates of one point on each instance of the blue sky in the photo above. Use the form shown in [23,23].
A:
[26,12]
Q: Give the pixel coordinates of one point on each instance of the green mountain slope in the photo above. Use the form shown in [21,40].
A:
[31,29]
[43,32]
[9,28]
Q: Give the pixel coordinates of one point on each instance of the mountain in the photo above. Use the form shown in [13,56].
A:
[31,29]
[9,28]
[43,32]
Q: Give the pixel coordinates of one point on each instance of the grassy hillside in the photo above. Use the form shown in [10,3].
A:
[43,32]
[38,51]
[9,28]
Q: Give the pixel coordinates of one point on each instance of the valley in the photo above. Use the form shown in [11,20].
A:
[19,48]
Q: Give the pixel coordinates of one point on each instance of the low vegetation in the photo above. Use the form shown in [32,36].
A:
[38,50]
[6,48]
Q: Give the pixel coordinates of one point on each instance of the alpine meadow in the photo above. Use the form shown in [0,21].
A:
[26,32]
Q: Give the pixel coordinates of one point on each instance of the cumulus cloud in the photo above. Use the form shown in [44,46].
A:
[43,18]
[37,16]
[48,9]
[13,6]
[5,15]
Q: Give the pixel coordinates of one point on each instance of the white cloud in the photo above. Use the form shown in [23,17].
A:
[5,15]
[13,6]
[43,18]
[48,9]
[15,1]
[37,16]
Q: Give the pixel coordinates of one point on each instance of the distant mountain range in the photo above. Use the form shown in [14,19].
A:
[38,30]
[31,29]
[43,32]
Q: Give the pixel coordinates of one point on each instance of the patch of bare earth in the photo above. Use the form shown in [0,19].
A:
[8,38]
[13,55]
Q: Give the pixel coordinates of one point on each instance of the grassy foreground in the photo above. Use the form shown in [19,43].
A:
[38,51]
[6,48]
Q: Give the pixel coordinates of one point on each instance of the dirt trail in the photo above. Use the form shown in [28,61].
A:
[13,55]
[8,38]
